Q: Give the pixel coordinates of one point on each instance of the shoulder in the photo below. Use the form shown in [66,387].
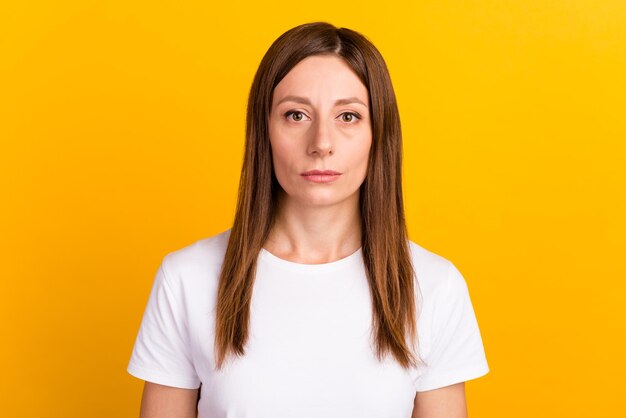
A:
[200,261]
[436,276]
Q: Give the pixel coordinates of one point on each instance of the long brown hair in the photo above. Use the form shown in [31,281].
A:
[385,245]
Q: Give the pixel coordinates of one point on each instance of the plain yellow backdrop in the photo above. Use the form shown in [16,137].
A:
[122,128]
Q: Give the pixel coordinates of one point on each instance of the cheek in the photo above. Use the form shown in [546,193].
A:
[282,138]
[361,155]
[283,160]
[280,156]
[277,144]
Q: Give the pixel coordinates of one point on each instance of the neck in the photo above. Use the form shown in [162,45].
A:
[313,234]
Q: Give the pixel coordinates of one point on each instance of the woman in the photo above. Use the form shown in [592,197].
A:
[315,303]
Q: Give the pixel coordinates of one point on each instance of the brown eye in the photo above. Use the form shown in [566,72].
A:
[349,117]
[297,116]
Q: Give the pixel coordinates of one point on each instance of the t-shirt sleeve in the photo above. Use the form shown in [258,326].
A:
[456,351]
[161,352]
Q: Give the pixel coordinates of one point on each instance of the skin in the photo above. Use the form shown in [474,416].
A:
[159,401]
[316,222]
[445,402]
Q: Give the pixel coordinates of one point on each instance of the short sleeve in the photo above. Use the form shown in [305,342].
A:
[161,353]
[456,349]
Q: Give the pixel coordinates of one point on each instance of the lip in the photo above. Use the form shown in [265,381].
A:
[321,176]
[321,173]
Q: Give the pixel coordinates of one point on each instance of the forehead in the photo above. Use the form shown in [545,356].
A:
[321,77]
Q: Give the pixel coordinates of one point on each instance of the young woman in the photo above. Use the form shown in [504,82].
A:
[315,303]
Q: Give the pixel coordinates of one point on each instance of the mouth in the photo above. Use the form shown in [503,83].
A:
[321,173]
[321,176]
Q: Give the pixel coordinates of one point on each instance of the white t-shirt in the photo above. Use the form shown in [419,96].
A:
[309,352]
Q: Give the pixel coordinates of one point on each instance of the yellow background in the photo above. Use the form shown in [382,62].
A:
[122,125]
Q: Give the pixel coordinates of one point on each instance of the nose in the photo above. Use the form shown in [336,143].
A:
[321,141]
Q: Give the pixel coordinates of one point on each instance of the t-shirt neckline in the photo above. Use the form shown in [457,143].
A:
[345,262]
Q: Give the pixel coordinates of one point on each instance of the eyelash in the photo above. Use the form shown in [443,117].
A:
[354,114]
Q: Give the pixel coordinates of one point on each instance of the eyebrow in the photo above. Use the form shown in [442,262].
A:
[304,100]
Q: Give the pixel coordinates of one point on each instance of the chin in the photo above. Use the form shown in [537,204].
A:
[324,199]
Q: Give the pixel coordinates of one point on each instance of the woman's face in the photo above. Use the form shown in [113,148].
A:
[320,121]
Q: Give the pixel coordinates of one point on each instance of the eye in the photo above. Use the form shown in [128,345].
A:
[298,116]
[351,117]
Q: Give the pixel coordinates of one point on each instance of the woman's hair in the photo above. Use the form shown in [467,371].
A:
[385,245]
